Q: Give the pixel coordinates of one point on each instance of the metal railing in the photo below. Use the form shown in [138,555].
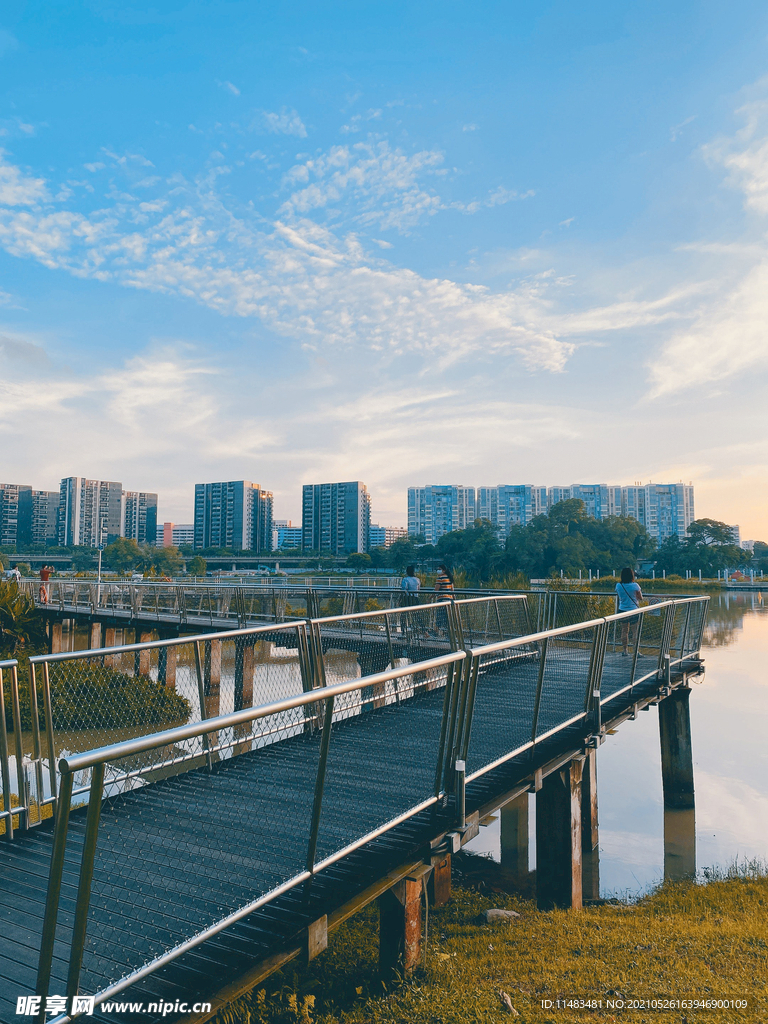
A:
[15,800]
[95,697]
[244,836]
[184,832]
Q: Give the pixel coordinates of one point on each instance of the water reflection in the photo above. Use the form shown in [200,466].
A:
[639,843]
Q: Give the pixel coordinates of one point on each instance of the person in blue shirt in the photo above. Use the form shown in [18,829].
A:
[630,596]
[410,586]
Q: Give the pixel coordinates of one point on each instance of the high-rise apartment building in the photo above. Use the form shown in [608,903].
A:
[665,510]
[508,505]
[140,516]
[236,514]
[438,509]
[90,512]
[15,514]
[336,517]
[45,517]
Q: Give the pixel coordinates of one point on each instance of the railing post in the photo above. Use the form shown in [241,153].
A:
[21,777]
[48,708]
[460,790]
[55,874]
[539,687]
[5,769]
[201,698]
[317,803]
[37,754]
[86,878]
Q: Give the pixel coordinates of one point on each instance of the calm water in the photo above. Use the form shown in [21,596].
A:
[729,722]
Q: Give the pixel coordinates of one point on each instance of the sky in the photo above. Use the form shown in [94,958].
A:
[402,243]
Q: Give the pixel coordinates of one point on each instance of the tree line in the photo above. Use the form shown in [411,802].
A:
[567,539]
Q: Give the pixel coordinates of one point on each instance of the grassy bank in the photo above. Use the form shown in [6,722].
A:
[684,941]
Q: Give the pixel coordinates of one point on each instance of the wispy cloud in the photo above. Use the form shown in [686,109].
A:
[286,122]
[229,87]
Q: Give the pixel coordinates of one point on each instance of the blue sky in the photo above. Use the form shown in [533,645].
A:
[402,243]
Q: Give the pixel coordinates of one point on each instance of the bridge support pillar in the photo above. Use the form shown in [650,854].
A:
[244,666]
[439,884]
[400,928]
[558,838]
[212,677]
[514,839]
[590,847]
[109,641]
[166,666]
[95,640]
[57,631]
[142,659]
[677,781]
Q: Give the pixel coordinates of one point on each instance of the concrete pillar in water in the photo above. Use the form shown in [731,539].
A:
[142,659]
[212,677]
[109,641]
[400,928]
[244,666]
[514,839]
[590,849]
[56,637]
[95,640]
[677,781]
[558,838]
[166,666]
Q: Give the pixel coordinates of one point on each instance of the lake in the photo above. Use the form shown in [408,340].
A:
[729,726]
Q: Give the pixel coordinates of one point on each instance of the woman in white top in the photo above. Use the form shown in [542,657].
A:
[410,586]
[630,595]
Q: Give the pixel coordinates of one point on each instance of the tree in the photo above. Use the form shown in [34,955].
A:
[402,553]
[123,555]
[359,561]
[84,559]
[21,625]
[167,561]
[197,566]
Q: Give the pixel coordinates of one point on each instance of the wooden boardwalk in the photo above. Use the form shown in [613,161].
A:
[218,839]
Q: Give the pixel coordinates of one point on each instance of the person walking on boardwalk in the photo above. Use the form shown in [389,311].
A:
[410,586]
[443,583]
[45,575]
[630,595]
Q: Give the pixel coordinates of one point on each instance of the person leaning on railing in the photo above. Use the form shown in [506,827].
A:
[443,583]
[45,575]
[410,586]
[630,595]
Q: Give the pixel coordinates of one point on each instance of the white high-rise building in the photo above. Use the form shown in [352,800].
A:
[437,509]
[90,512]
[234,514]
[140,516]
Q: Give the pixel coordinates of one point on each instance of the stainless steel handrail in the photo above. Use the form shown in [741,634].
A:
[97,760]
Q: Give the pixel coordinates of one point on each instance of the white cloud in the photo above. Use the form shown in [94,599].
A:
[677,130]
[728,334]
[470,127]
[229,87]
[382,184]
[17,188]
[98,166]
[287,122]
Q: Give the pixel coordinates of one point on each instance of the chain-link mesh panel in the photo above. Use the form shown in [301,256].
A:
[378,642]
[497,715]
[696,622]
[383,764]
[678,631]
[563,683]
[100,698]
[490,620]
[178,854]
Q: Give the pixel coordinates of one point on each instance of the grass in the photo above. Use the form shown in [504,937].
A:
[683,941]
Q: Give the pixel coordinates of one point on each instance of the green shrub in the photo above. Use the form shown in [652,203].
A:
[92,697]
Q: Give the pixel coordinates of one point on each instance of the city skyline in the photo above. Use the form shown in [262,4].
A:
[328,248]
